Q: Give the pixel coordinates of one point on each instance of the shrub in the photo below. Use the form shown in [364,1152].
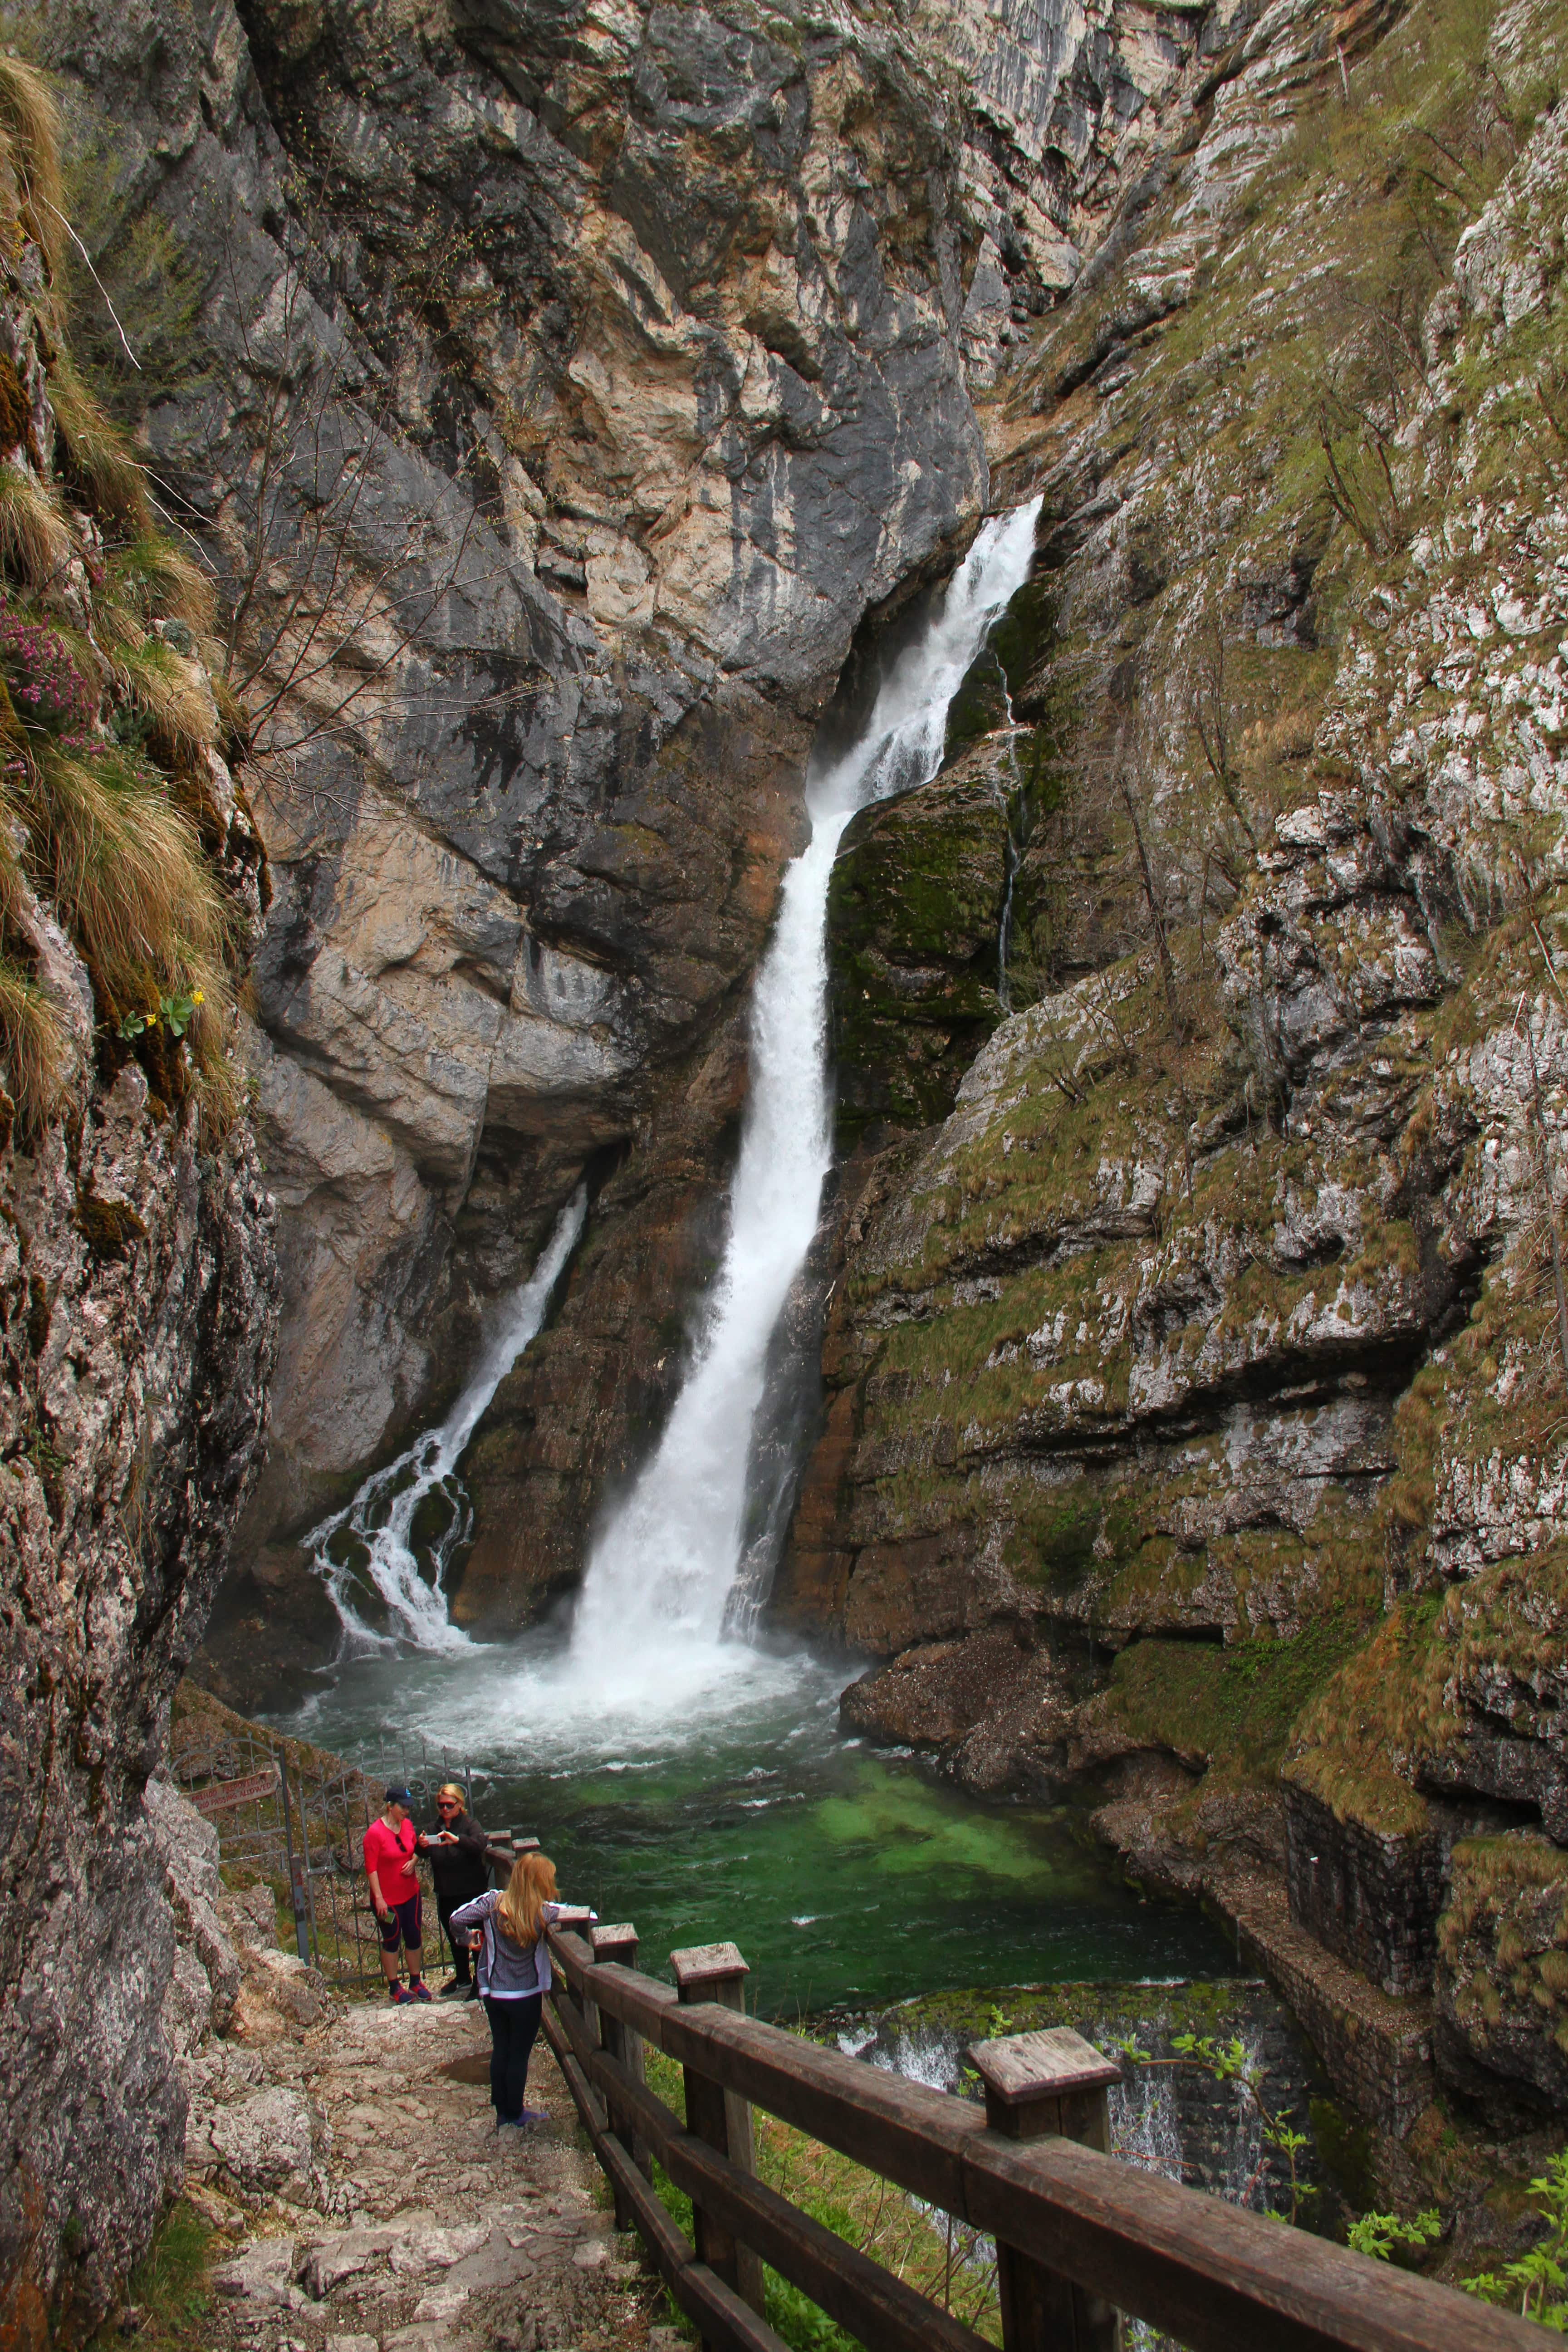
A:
[46,684]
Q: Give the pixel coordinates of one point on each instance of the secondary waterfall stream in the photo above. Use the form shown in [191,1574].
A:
[373,1540]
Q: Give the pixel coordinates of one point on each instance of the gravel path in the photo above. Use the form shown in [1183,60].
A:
[443,2235]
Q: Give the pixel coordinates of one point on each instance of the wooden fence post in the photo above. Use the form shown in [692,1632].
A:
[717,1972]
[1041,2086]
[619,1945]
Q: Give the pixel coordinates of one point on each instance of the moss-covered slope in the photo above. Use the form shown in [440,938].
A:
[1217,1331]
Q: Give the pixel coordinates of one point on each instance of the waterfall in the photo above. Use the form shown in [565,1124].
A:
[662,1571]
[375,1536]
[1005,928]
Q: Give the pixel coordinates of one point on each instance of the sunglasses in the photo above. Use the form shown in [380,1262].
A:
[446,1805]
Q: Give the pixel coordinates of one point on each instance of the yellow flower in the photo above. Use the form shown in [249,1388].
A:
[152,1021]
[197,998]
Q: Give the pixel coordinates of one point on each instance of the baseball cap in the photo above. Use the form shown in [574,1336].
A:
[399,1797]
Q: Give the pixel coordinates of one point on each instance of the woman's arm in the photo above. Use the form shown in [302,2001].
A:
[470,1914]
[471,1839]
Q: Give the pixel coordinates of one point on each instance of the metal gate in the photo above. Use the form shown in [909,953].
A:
[293,1818]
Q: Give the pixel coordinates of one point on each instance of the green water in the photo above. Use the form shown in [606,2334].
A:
[733,1810]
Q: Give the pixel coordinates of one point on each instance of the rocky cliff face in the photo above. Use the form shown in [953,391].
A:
[137,1275]
[563,398]
[569,387]
[1193,1388]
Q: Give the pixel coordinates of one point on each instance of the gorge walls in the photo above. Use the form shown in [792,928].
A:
[555,391]
[568,401]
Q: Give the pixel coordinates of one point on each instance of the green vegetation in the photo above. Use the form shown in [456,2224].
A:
[936,2256]
[1537,2285]
[109,811]
[914,914]
[1236,1706]
[1401,1695]
[1377,2234]
[169,2287]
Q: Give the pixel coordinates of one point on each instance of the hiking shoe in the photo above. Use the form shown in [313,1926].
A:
[420,1991]
[454,1990]
[401,1996]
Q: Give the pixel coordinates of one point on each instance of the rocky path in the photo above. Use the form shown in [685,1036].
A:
[438,2233]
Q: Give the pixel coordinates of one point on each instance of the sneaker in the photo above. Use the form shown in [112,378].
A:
[420,1991]
[454,1989]
[534,2116]
[401,1996]
[470,1993]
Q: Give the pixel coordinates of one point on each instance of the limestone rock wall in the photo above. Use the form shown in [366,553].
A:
[138,1280]
[632,347]
[132,1412]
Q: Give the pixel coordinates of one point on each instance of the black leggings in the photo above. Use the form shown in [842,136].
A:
[513,2025]
[458,1938]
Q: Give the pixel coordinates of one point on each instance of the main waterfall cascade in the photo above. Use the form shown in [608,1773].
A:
[662,1581]
[662,1577]
[373,1536]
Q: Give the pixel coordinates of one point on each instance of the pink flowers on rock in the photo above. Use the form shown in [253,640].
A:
[47,688]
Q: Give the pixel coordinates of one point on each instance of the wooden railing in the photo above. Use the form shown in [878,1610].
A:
[1081,2238]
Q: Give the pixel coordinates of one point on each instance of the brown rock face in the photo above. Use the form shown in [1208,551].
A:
[138,1278]
[997,1707]
[576,1415]
[637,347]
[131,1423]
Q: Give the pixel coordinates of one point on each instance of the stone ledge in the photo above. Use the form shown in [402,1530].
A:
[1377,2048]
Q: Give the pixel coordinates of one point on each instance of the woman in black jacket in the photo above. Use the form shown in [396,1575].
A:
[458,1867]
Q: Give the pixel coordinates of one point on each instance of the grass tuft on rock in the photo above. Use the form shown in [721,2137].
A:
[111,804]
[167,2291]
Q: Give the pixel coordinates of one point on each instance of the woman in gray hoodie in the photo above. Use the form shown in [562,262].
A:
[514,1975]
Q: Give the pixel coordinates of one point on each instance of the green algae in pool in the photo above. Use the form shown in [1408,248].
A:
[844,1873]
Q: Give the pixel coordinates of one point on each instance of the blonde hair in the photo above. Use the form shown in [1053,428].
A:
[450,1788]
[530,1886]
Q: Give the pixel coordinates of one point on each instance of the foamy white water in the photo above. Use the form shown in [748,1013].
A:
[655,1597]
[381,1517]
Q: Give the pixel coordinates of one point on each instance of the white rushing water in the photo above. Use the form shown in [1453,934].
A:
[648,1642]
[661,1578]
[374,1536]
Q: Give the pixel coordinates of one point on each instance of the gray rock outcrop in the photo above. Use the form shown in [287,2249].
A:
[138,1302]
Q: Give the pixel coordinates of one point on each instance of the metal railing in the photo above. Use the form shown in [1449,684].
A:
[292,1817]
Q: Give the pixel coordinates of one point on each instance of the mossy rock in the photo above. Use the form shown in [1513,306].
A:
[914,931]
[1502,1971]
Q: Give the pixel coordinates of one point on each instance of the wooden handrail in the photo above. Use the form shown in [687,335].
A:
[1217,2277]
[851,2288]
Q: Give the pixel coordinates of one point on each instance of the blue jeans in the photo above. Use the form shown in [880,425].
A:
[514,2026]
